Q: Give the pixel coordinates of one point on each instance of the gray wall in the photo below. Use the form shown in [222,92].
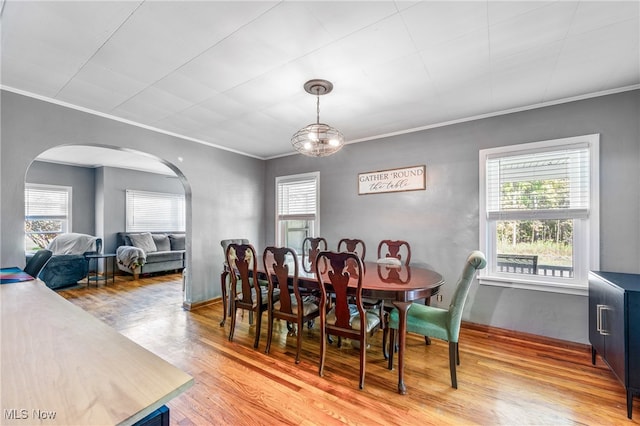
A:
[224,190]
[231,196]
[82,182]
[441,223]
[116,182]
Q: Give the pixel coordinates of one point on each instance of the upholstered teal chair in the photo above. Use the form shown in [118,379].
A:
[444,324]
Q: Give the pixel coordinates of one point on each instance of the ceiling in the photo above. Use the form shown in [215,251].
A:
[231,73]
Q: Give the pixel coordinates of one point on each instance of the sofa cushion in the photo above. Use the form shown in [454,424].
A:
[162,242]
[143,241]
[164,256]
[177,242]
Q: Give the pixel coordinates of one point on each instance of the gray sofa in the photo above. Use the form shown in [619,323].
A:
[166,253]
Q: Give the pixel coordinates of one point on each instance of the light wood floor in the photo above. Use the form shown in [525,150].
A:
[504,378]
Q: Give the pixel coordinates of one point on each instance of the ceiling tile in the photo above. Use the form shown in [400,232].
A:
[538,27]
[592,15]
[432,23]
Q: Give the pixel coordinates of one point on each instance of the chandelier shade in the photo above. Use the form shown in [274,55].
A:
[318,139]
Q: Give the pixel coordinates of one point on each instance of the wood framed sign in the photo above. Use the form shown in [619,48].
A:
[393,180]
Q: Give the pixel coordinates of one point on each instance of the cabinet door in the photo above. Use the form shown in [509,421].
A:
[614,329]
[597,297]
[633,343]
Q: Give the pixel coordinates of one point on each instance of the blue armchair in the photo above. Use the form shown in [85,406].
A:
[68,264]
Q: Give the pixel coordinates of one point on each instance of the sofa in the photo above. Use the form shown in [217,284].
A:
[68,264]
[150,252]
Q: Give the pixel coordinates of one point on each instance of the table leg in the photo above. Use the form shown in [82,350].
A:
[403,307]
[223,286]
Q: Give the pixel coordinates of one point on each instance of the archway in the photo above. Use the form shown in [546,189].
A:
[97,175]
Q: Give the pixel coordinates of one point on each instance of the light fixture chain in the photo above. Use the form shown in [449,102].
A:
[318,109]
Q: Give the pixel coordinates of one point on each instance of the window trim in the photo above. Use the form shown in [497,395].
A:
[316,219]
[586,248]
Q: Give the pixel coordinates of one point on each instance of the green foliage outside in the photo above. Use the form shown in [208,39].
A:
[550,239]
[46,230]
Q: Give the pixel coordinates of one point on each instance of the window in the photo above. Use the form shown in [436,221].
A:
[539,223]
[297,208]
[47,214]
[154,211]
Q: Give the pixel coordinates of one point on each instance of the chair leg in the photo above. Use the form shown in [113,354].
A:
[385,335]
[323,349]
[363,360]
[269,330]
[453,350]
[258,323]
[299,341]
[233,320]
[392,342]
[223,287]
[427,302]
[458,353]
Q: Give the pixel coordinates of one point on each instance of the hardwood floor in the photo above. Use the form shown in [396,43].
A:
[504,378]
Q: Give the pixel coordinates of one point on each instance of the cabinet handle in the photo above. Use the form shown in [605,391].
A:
[599,319]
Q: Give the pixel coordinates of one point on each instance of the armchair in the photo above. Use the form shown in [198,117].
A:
[441,323]
[68,264]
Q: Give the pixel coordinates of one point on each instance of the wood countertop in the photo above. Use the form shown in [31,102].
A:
[62,366]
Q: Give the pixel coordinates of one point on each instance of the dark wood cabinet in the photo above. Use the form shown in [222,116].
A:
[614,326]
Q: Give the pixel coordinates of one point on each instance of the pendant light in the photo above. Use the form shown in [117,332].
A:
[318,139]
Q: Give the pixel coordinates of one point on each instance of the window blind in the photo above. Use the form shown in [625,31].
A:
[154,211]
[49,203]
[542,184]
[297,199]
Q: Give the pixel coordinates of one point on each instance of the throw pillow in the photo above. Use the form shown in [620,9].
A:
[143,241]
[161,241]
[177,242]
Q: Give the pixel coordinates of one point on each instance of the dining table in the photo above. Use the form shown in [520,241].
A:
[399,284]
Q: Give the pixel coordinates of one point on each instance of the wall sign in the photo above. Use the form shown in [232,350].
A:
[394,180]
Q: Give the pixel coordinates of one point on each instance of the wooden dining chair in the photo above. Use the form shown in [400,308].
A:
[225,280]
[311,246]
[344,319]
[395,249]
[292,306]
[353,245]
[247,291]
[441,323]
[390,249]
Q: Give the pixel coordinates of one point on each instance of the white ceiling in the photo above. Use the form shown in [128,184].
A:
[230,73]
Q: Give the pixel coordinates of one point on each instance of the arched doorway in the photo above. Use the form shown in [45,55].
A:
[98,177]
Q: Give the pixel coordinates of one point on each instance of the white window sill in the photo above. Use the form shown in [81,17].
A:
[546,286]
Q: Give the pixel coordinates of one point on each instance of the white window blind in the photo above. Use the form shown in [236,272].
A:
[547,184]
[43,202]
[297,199]
[154,211]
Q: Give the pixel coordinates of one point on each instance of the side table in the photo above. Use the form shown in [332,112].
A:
[107,258]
